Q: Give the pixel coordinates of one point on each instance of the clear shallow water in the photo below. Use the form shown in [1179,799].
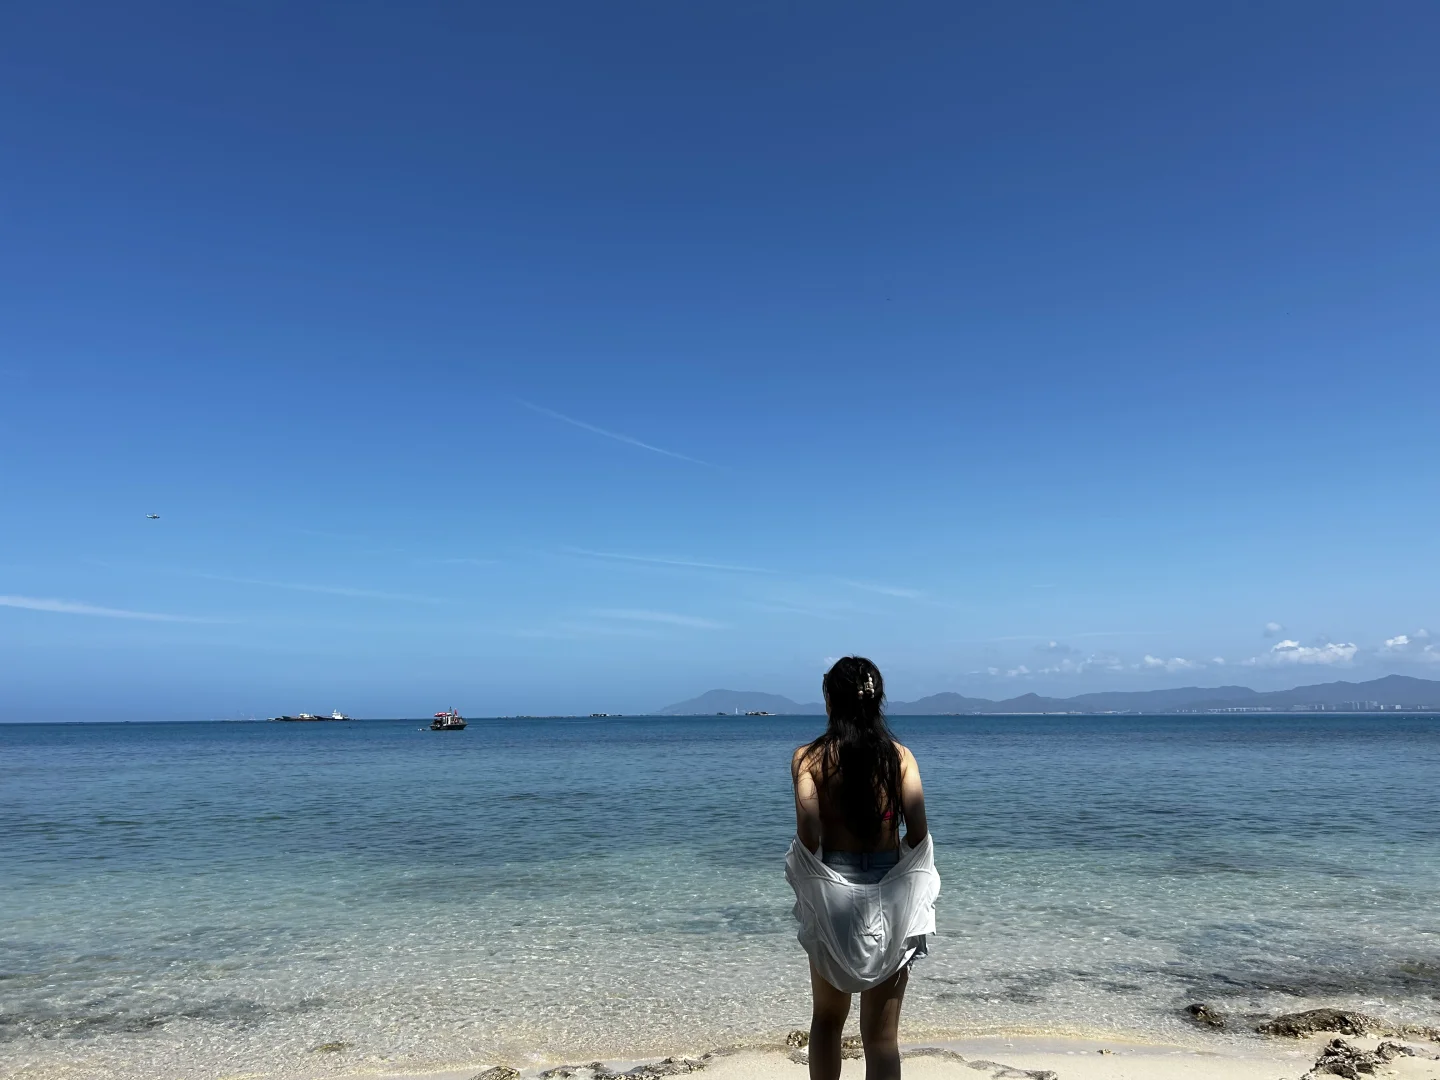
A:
[206,900]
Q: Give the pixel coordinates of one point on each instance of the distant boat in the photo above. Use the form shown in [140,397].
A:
[448,721]
[153,517]
[336,714]
[306,717]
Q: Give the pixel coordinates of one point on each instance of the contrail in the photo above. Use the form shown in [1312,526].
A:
[329,590]
[886,590]
[75,607]
[667,617]
[697,564]
[612,434]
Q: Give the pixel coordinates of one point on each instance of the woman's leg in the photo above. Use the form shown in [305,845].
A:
[880,1027]
[827,1021]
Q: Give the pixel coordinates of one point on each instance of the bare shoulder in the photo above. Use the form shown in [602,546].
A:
[802,760]
[907,759]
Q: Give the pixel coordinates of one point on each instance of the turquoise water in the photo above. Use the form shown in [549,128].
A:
[203,900]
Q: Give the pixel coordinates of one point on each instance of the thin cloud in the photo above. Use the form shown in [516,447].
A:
[617,436]
[1071,665]
[75,607]
[695,564]
[572,631]
[667,617]
[1051,637]
[1056,648]
[792,609]
[884,590]
[327,590]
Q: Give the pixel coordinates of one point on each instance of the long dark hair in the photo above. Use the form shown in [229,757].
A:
[857,749]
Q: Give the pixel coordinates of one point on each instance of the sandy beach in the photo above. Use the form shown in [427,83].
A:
[1227,1057]
[1005,1059]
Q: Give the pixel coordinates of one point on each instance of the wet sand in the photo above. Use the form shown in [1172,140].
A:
[1030,1059]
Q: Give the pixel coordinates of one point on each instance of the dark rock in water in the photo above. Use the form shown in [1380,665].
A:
[730,1051]
[1343,1059]
[499,1072]
[1204,1015]
[1417,1031]
[852,1047]
[798,1039]
[997,1070]
[932,1051]
[1010,1072]
[1388,1051]
[330,1048]
[1346,1022]
[671,1066]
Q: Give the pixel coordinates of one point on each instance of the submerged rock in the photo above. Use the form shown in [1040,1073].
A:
[1345,1021]
[671,1066]
[997,1070]
[1204,1015]
[499,1072]
[1010,1072]
[1340,1058]
[1388,1051]
[932,1051]
[1417,1031]
[798,1039]
[330,1048]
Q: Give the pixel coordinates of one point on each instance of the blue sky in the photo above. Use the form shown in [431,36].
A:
[586,357]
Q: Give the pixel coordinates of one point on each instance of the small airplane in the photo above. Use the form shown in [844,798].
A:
[153,517]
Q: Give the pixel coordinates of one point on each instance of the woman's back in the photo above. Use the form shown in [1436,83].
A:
[820,791]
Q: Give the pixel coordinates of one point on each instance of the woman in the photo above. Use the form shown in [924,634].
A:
[866,904]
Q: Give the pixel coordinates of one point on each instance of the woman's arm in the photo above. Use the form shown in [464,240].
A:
[912,799]
[807,800]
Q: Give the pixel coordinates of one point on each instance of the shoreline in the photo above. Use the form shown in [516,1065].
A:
[1237,1054]
[996,1056]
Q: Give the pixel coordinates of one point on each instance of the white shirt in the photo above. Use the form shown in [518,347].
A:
[860,935]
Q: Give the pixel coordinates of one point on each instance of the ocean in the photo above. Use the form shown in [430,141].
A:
[216,899]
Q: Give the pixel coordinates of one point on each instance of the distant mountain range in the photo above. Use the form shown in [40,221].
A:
[1390,691]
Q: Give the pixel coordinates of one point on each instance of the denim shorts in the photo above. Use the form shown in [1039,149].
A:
[861,867]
